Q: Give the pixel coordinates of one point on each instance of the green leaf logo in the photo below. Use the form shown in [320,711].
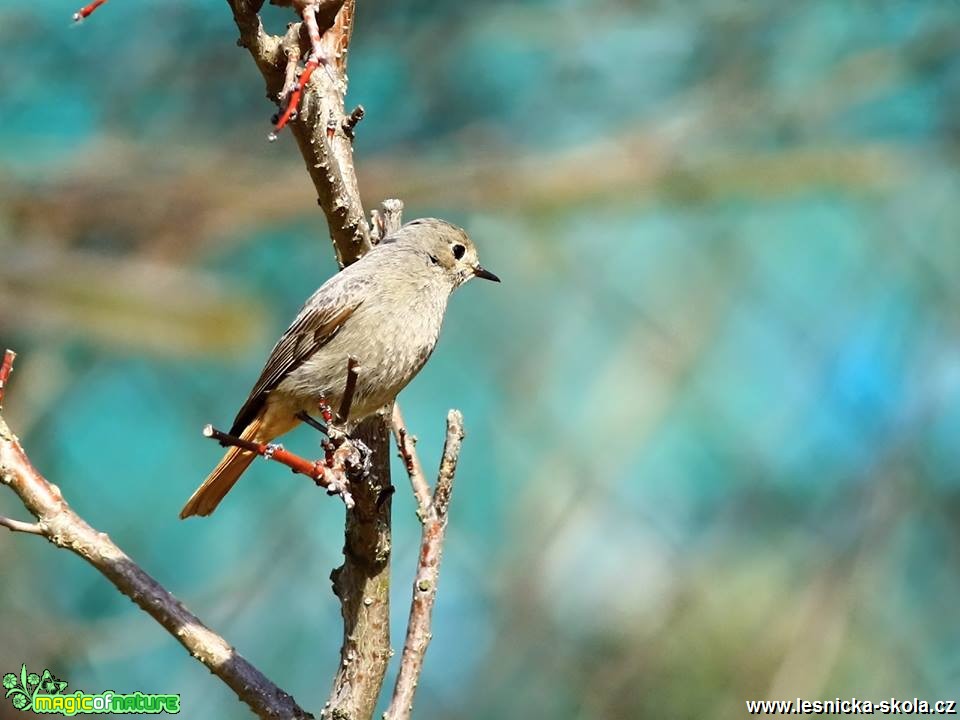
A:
[18,689]
[23,689]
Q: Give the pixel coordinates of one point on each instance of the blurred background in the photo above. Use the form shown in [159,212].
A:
[712,411]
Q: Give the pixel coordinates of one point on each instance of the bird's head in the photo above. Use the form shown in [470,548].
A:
[447,247]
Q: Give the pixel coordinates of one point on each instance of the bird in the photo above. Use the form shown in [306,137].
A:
[384,311]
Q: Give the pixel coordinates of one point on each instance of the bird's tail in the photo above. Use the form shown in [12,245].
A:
[223,477]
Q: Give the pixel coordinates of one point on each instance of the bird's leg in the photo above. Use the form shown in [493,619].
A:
[310,420]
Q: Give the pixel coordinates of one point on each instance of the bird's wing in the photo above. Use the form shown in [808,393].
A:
[317,323]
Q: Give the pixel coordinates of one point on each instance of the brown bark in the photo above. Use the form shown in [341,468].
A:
[362,583]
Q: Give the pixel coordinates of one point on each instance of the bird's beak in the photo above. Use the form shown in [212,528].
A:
[485,274]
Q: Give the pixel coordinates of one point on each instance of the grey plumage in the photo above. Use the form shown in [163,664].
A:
[385,310]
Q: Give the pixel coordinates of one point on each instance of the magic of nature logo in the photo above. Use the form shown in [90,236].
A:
[45,694]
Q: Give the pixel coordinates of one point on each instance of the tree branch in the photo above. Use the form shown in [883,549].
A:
[320,124]
[362,583]
[58,523]
[406,448]
[434,521]
[324,135]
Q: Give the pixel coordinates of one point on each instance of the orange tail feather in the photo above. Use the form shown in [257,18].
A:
[223,477]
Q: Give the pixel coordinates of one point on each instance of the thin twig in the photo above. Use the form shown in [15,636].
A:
[6,367]
[408,453]
[448,464]
[331,478]
[312,469]
[350,123]
[59,524]
[87,10]
[20,526]
[428,572]
[293,99]
[346,402]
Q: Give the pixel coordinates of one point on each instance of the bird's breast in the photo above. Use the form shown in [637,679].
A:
[391,341]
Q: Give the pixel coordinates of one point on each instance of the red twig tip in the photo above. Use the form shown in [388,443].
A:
[87,10]
[6,367]
[293,102]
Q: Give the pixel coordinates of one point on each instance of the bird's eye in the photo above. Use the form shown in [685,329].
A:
[433,259]
[458,251]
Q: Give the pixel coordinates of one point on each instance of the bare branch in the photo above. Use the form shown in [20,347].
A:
[428,573]
[362,583]
[448,464]
[264,48]
[306,417]
[350,123]
[64,528]
[408,453]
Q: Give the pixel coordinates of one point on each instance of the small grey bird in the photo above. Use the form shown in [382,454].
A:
[385,310]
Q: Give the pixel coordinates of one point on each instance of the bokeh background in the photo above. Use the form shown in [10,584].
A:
[713,409]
